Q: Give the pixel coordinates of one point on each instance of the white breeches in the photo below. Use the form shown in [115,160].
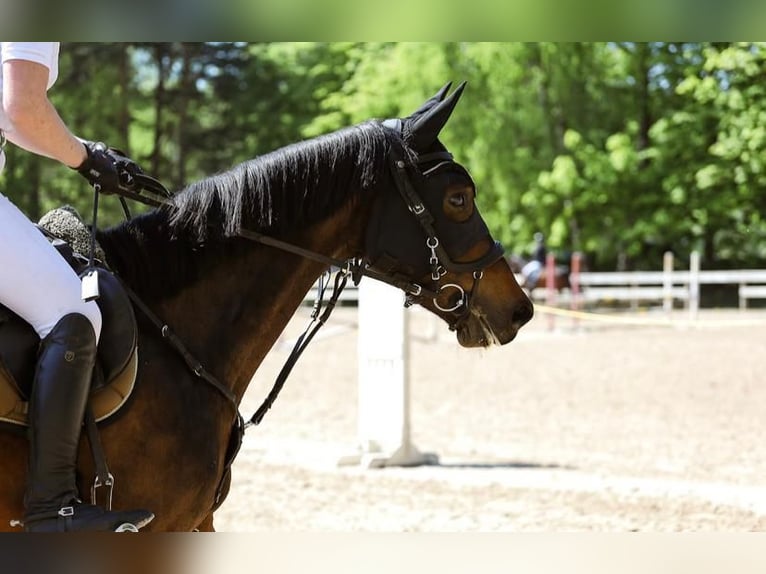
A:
[35,281]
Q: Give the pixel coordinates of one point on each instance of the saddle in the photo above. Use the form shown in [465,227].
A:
[114,375]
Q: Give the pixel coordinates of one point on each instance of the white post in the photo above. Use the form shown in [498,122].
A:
[383,370]
[667,281]
[694,284]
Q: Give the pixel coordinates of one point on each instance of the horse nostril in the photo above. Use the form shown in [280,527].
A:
[523,313]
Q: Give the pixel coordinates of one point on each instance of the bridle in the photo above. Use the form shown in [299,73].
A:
[388,269]
[433,228]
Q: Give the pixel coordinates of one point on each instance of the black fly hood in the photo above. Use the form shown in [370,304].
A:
[409,233]
[413,215]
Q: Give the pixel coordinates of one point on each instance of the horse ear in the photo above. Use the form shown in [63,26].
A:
[433,100]
[424,128]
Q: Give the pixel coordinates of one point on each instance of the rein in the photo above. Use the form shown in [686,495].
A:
[355,267]
[317,321]
[160,197]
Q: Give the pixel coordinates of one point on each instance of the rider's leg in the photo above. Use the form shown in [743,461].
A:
[57,404]
[38,286]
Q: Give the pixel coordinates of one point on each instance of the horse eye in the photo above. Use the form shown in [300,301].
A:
[457,200]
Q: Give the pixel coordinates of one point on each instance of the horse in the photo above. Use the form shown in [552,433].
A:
[227,261]
[540,280]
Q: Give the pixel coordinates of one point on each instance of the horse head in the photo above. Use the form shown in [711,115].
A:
[426,227]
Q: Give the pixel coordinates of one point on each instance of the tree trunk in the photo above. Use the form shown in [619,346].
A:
[549,107]
[162,55]
[643,64]
[123,113]
[182,108]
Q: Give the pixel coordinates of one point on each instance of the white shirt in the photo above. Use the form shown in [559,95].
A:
[44,53]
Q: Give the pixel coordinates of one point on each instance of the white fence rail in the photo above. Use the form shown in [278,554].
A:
[635,287]
[666,286]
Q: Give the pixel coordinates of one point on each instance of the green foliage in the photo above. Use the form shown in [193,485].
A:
[620,150]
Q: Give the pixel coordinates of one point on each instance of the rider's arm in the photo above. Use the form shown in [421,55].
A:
[35,124]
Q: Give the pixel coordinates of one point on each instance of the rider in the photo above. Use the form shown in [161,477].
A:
[41,288]
[532,270]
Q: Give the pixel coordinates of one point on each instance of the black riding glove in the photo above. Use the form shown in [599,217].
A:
[99,168]
[127,169]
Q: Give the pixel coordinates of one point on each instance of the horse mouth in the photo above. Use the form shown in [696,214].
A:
[477,331]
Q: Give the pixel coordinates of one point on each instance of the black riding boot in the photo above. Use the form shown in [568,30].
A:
[56,410]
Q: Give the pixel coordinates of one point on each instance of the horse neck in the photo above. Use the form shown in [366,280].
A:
[238,308]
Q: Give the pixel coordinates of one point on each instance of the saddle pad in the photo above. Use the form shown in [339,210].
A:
[105,401]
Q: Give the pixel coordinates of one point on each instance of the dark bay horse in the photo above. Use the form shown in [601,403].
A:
[352,195]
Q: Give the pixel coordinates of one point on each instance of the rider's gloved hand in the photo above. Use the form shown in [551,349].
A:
[99,168]
[126,167]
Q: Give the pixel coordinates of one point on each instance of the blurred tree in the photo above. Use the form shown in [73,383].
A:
[723,184]
[622,150]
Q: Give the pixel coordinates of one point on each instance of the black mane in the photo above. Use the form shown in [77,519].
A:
[287,189]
